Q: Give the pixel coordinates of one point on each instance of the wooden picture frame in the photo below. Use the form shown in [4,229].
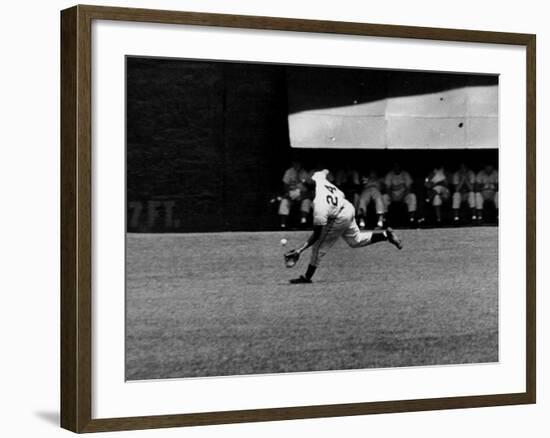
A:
[76,218]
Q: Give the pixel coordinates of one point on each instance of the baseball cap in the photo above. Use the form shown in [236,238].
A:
[320,175]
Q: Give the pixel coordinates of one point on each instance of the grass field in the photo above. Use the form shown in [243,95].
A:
[220,304]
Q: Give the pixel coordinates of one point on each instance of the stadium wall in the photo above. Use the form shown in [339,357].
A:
[208,142]
[374,109]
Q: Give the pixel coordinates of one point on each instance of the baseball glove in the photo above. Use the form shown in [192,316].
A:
[291,258]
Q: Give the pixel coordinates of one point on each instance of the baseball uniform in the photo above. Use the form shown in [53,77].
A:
[463,183]
[372,191]
[336,215]
[488,188]
[439,192]
[398,185]
[297,191]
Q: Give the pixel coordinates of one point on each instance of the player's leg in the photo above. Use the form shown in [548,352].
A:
[479,206]
[491,196]
[410,200]
[305,208]
[456,201]
[471,199]
[328,238]
[442,195]
[379,206]
[329,235]
[356,238]
[364,200]
[356,200]
[436,203]
[483,196]
[284,211]
[386,200]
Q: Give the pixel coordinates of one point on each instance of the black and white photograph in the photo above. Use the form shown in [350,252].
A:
[289,218]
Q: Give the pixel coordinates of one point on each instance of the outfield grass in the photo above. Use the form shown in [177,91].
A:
[220,304]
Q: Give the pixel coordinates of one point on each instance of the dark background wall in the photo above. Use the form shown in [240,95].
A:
[210,140]
[211,136]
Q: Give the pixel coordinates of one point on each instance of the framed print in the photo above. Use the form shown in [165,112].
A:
[268,219]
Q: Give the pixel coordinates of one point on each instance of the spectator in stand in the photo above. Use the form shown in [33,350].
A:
[372,192]
[347,180]
[463,182]
[436,185]
[398,184]
[295,192]
[486,189]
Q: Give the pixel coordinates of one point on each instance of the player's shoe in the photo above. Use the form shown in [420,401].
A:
[362,224]
[300,280]
[393,238]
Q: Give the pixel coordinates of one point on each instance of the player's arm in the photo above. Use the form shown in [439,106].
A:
[287,182]
[387,183]
[469,182]
[356,180]
[317,229]
[292,256]
[408,182]
[477,183]
[428,181]
[457,182]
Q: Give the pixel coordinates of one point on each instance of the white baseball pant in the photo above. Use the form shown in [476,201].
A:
[343,226]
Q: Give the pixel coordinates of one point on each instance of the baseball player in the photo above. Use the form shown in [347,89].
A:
[463,182]
[372,192]
[436,183]
[486,189]
[333,217]
[398,184]
[295,192]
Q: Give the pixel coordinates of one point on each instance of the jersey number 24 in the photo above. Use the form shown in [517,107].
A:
[330,199]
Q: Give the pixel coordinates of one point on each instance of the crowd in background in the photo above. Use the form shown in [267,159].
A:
[461,192]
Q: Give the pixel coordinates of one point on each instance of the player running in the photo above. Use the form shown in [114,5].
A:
[333,217]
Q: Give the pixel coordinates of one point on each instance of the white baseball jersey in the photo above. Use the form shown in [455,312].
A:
[398,183]
[328,203]
[487,181]
[460,178]
[372,183]
[331,207]
[438,176]
[295,178]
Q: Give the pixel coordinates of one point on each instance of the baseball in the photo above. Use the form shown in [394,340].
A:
[284,242]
